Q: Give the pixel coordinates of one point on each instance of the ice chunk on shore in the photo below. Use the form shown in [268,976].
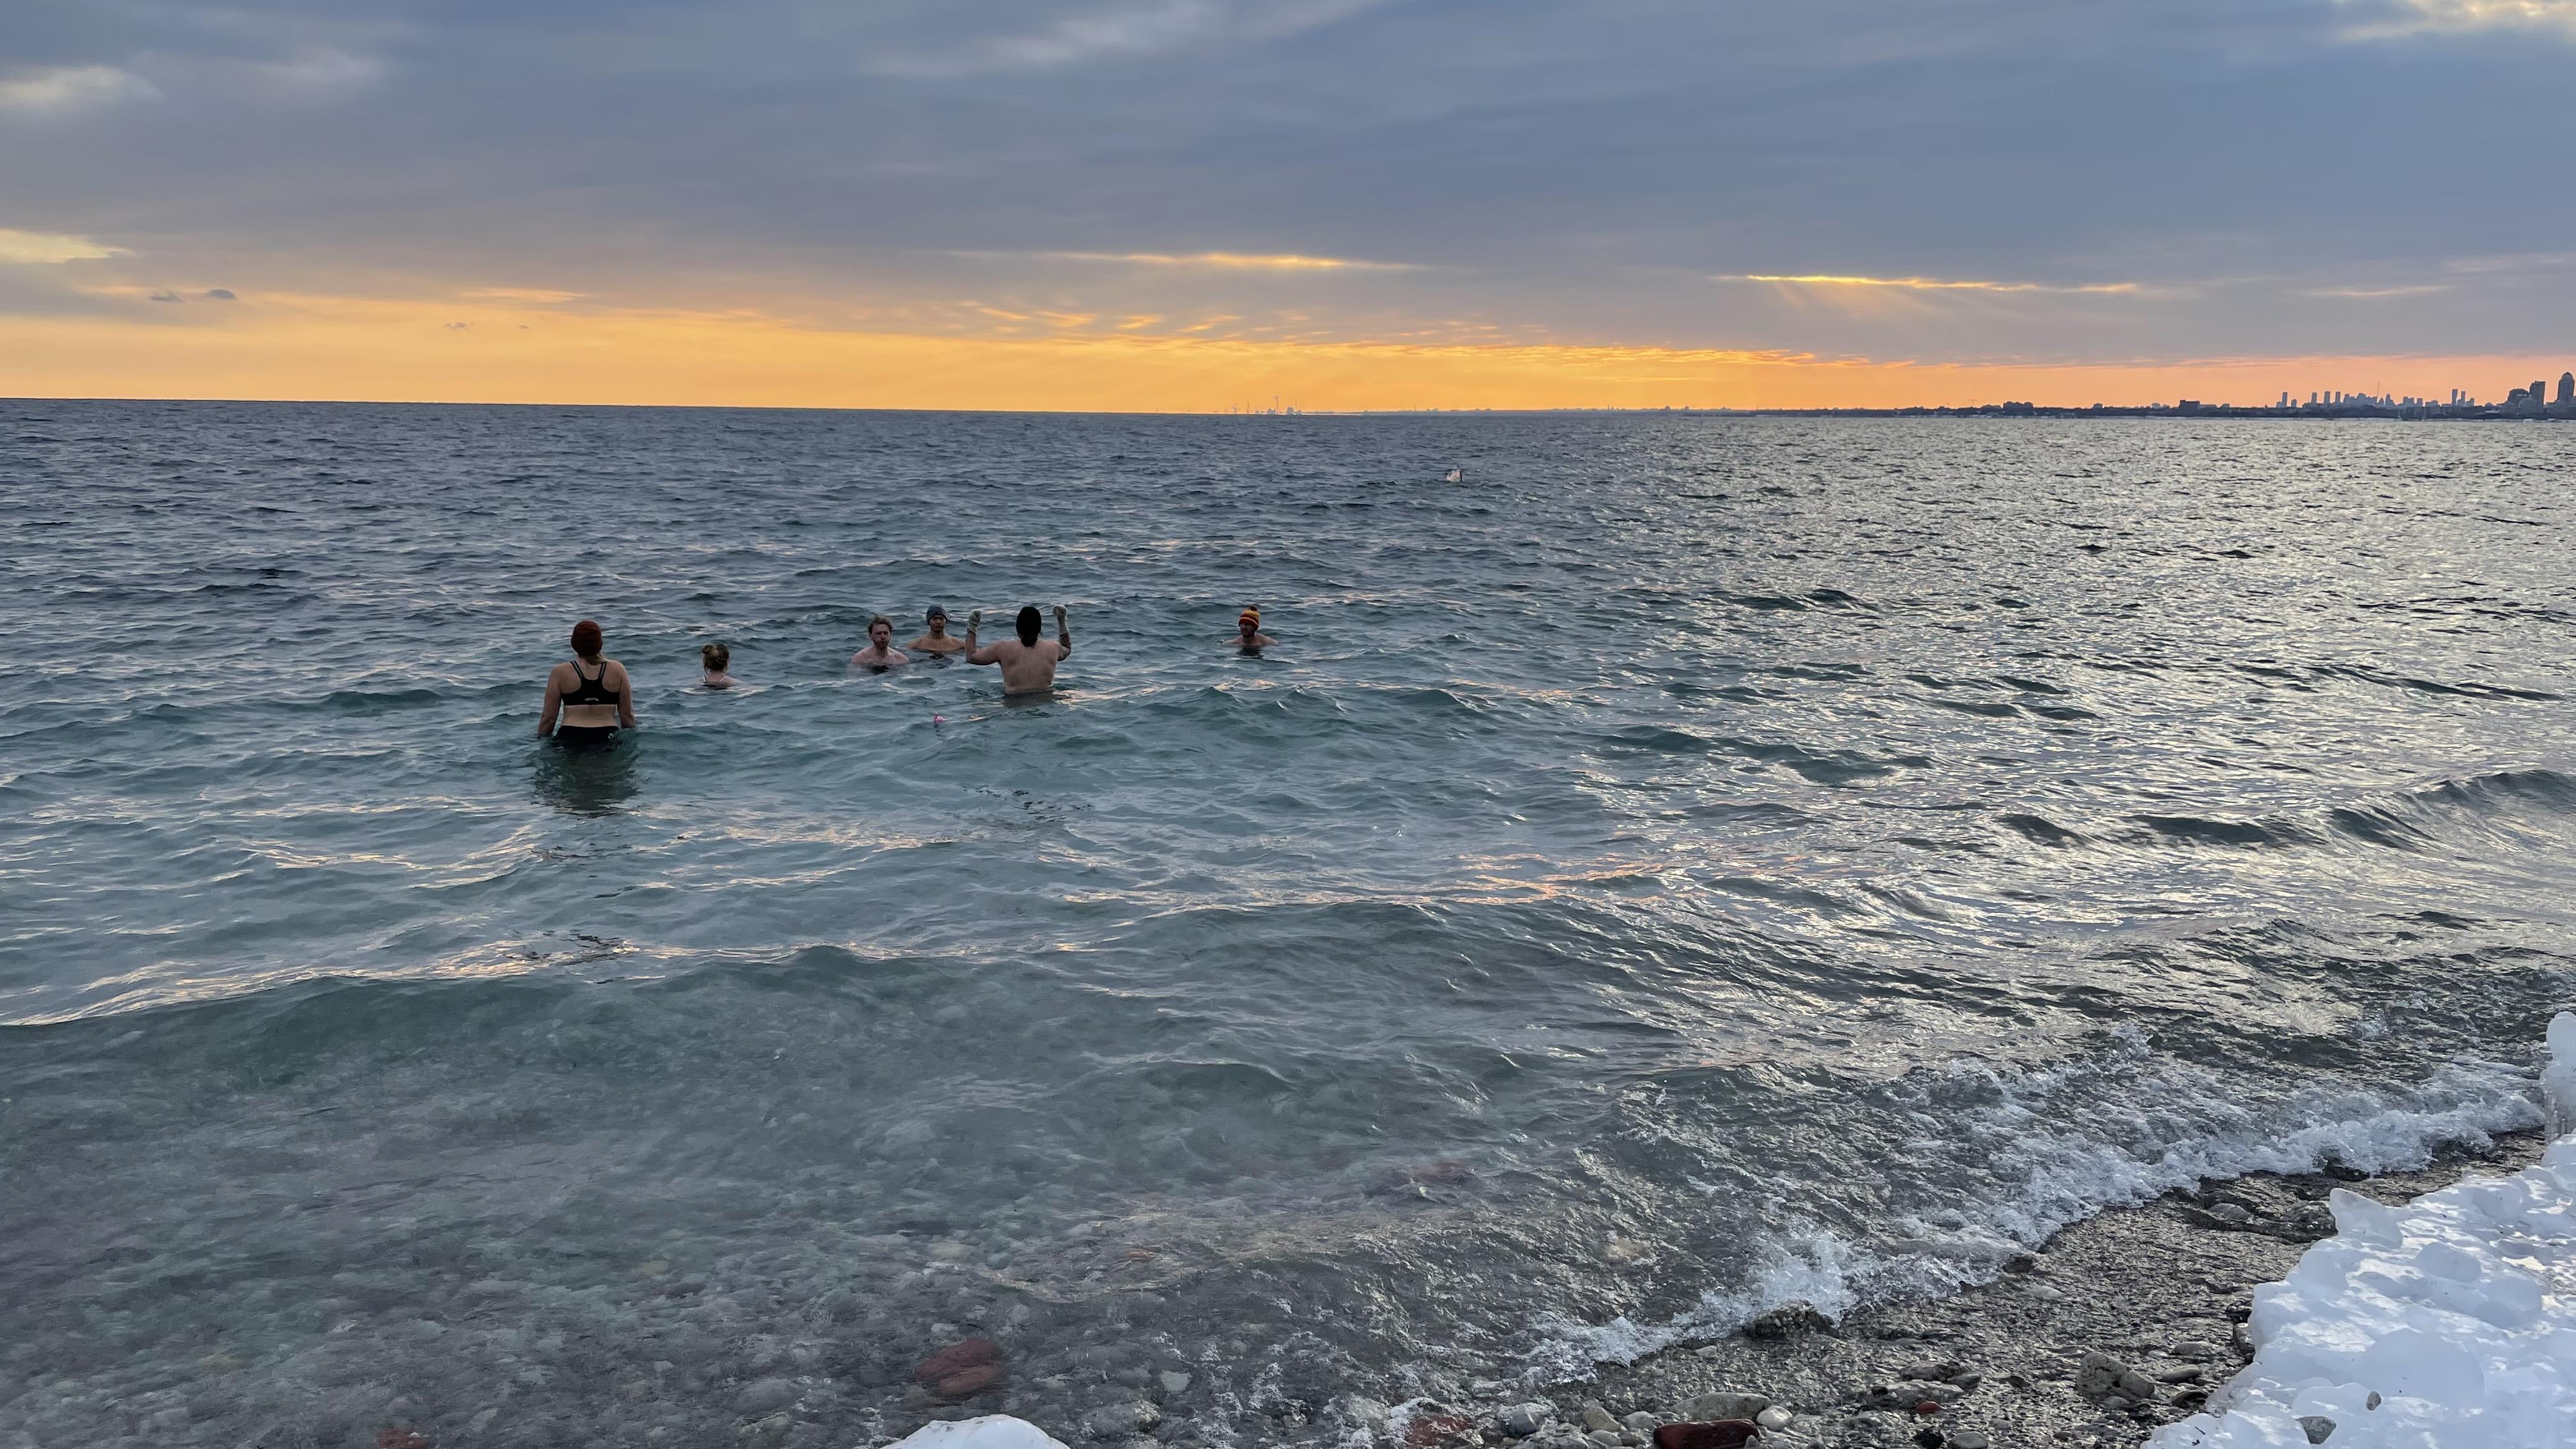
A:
[993,1431]
[2448,1322]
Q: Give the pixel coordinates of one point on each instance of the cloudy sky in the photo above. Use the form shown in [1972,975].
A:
[1191,203]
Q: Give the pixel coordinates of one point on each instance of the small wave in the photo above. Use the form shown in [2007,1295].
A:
[366,701]
[2378,827]
[2506,789]
[1825,673]
[2039,829]
[2466,690]
[2201,830]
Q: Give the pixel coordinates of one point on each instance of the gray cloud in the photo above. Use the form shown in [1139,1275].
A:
[2266,175]
[218,294]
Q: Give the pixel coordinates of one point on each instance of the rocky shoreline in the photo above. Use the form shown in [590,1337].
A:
[2118,1325]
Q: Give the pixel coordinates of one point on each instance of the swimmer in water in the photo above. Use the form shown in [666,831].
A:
[588,697]
[1028,663]
[715,657]
[1247,631]
[880,654]
[938,640]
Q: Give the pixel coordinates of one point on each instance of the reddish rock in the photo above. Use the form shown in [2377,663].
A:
[1724,1434]
[1430,1429]
[401,1439]
[967,1383]
[1928,1406]
[961,1370]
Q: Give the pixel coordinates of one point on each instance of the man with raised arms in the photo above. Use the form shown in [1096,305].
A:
[1028,663]
[938,640]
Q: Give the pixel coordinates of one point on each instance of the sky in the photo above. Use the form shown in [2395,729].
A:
[1194,205]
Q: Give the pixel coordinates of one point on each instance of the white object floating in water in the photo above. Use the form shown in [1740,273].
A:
[2440,1324]
[993,1431]
[1455,476]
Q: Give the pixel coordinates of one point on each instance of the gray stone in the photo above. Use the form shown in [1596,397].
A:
[1521,1420]
[2101,1378]
[1939,1371]
[1120,1421]
[2318,1427]
[1789,1320]
[2233,1215]
[1370,1414]
[765,1396]
[1604,1438]
[1708,1408]
[1970,1439]
[1597,1420]
[1639,1422]
[2193,1350]
[1175,1383]
[2181,1374]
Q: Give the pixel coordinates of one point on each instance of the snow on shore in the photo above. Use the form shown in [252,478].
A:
[2448,1323]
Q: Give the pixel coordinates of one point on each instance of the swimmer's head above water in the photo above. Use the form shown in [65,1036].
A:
[1248,623]
[1028,623]
[880,632]
[585,639]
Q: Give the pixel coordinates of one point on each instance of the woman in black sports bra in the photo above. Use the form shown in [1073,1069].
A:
[589,693]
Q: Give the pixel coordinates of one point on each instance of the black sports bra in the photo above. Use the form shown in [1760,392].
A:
[589,690]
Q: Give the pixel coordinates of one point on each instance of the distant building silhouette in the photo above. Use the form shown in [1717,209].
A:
[2567,389]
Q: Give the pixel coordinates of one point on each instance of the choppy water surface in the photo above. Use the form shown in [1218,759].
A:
[1693,863]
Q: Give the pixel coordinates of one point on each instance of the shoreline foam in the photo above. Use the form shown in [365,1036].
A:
[2448,1320]
[2165,1286]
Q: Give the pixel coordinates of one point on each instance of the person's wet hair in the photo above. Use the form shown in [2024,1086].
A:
[716,657]
[1028,624]
[880,619]
[585,639]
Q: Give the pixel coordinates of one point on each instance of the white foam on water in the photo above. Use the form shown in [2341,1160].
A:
[2044,1148]
[2450,1321]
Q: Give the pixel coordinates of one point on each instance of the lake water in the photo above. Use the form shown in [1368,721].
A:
[1687,865]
